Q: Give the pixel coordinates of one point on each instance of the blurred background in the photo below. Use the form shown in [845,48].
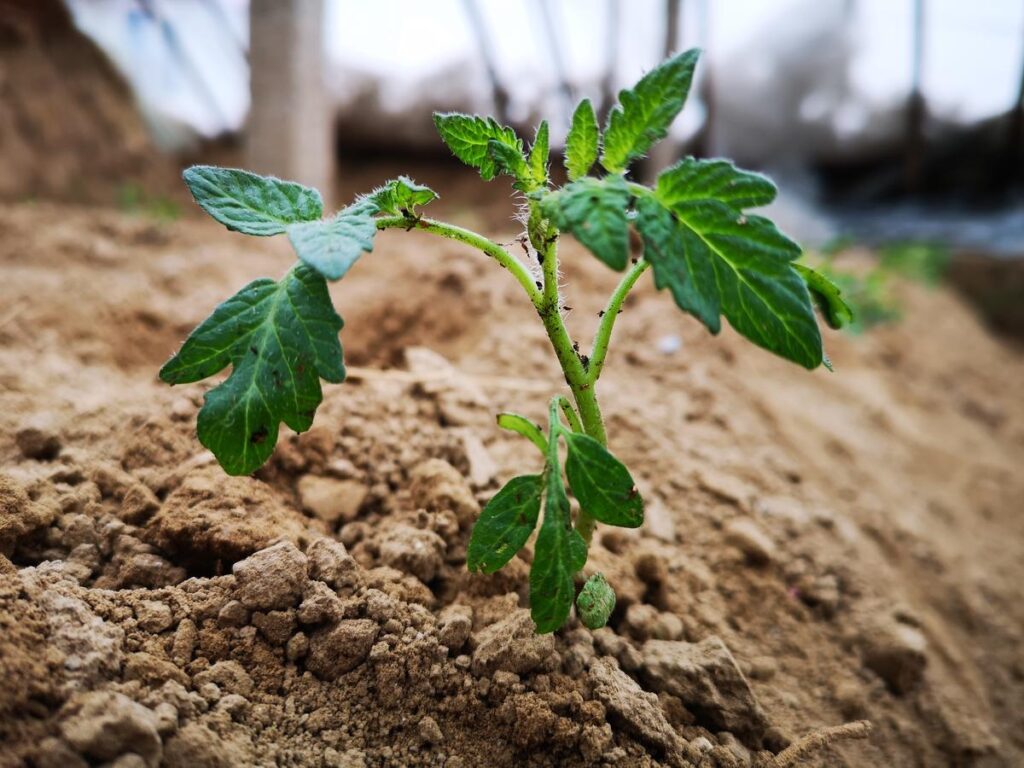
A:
[896,124]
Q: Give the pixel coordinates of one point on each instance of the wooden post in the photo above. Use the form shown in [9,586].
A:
[289,130]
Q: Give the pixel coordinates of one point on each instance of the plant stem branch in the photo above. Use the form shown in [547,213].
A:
[599,351]
[548,304]
[576,373]
[570,414]
[481,243]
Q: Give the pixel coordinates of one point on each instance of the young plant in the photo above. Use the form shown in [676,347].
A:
[281,337]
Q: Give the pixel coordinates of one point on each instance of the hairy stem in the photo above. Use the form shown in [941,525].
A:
[599,351]
[548,304]
[576,371]
[481,243]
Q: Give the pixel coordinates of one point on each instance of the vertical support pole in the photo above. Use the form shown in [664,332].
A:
[916,108]
[704,144]
[485,48]
[1015,136]
[667,151]
[613,15]
[289,130]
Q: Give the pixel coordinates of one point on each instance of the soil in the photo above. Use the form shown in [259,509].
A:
[820,549]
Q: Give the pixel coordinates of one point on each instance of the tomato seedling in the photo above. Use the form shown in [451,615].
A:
[281,337]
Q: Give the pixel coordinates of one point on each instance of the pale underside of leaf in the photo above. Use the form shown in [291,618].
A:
[331,247]
[249,203]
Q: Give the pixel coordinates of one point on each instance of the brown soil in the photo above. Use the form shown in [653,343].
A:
[69,126]
[820,549]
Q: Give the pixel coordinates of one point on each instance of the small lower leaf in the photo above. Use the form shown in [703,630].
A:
[401,196]
[521,425]
[505,524]
[560,551]
[601,483]
[595,602]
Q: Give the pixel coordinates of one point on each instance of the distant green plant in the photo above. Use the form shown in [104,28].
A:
[281,337]
[132,198]
[870,294]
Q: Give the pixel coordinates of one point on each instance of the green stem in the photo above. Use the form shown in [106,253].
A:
[481,243]
[570,414]
[523,426]
[599,351]
[576,373]
[578,376]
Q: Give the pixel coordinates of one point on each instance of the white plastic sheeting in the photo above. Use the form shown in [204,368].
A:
[185,60]
[849,59]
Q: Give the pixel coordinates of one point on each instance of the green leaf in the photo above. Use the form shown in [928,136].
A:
[595,602]
[558,554]
[280,338]
[827,296]
[645,112]
[538,161]
[717,260]
[331,247]
[505,524]
[469,138]
[401,196]
[601,483]
[510,161]
[560,551]
[252,204]
[523,426]
[690,181]
[581,142]
[594,211]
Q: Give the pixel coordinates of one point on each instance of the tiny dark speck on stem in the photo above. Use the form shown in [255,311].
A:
[601,313]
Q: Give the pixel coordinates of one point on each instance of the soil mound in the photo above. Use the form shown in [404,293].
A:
[820,549]
[69,128]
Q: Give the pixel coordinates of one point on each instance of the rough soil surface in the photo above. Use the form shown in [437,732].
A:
[820,549]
